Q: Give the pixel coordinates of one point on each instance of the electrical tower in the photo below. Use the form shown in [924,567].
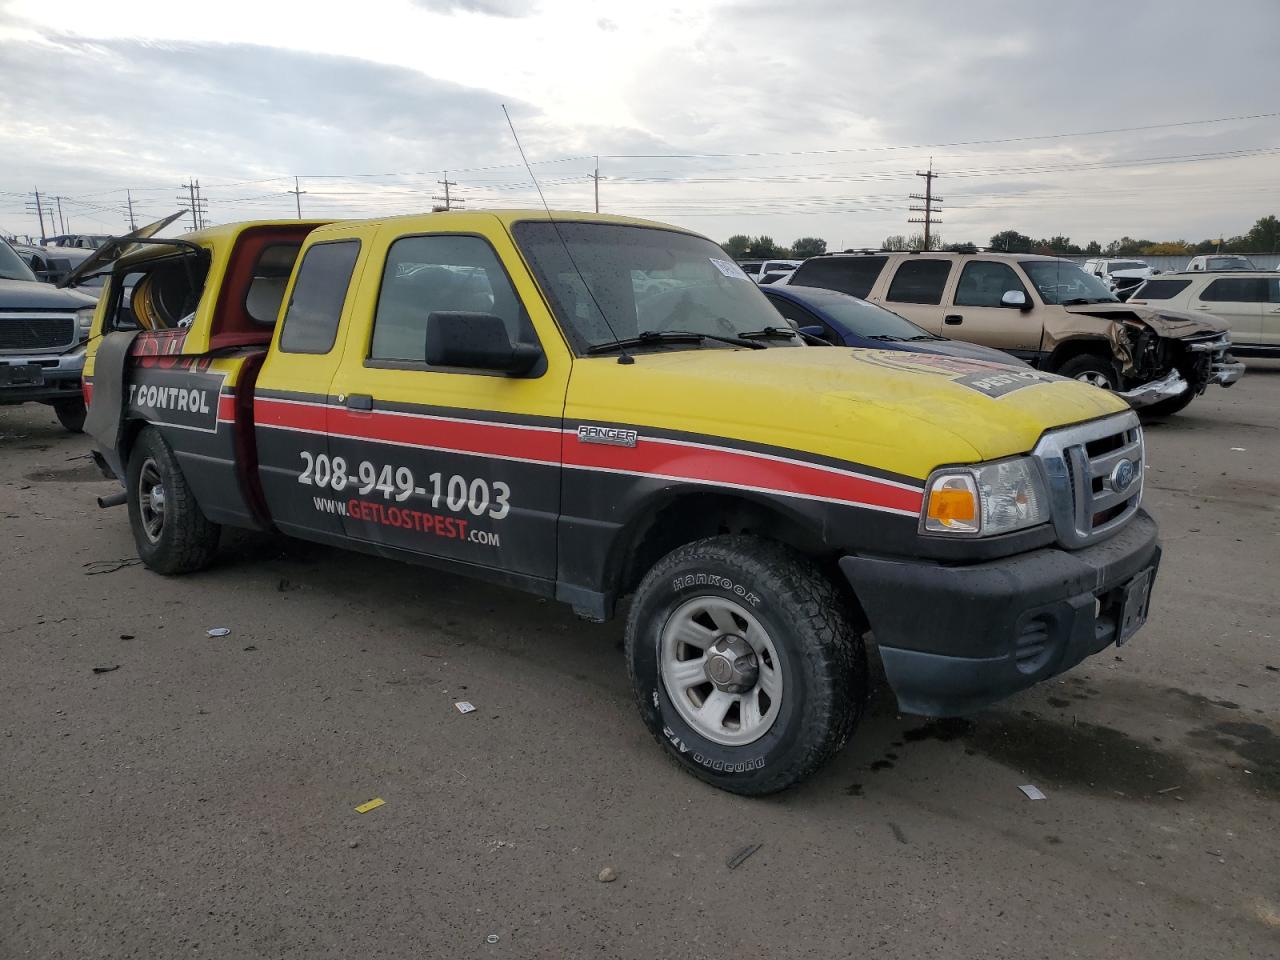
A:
[297,192]
[448,202]
[37,207]
[931,204]
[194,202]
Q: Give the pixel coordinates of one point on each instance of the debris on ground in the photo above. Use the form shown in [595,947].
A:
[373,804]
[106,669]
[218,631]
[464,706]
[1033,792]
[897,833]
[492,938]
[1177,786]
[734,862]
[127,636]
[607,875]
[109,566]
[250,648]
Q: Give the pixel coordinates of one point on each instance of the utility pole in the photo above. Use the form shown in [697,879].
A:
[37,208]
[596,177]
[194,202]
[61,222]
[447,198]
[129,197]
[297,192]
[930,203]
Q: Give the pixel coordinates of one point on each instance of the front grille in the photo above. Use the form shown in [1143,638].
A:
[1086,468]
[36,331]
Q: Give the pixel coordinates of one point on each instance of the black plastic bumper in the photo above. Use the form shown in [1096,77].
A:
[53,385]
[954,639]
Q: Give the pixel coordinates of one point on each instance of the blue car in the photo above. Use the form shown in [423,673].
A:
[853,322]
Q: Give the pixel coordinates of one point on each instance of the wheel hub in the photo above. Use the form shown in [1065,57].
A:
[732,666]
[157,497]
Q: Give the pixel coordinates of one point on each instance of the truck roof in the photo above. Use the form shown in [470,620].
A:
[507,217]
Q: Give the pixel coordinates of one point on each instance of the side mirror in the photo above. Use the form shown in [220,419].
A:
[1015,298]
[459,338]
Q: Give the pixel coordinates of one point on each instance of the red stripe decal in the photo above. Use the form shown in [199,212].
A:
[654,457]
[723,466]
[227,407]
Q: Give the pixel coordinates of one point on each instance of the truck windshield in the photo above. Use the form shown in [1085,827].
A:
[1061,281]
[645,280]
[12,266]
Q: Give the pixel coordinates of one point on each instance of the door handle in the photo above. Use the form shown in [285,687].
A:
[359,401]
[953,319]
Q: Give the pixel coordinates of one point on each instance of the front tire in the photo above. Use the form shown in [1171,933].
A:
[744,663]
[1167,408]
[1093,370]
[171,533]
[70,414]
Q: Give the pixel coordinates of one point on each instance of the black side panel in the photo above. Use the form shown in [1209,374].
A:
[105,421]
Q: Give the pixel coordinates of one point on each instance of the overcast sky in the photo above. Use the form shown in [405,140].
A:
[806,118]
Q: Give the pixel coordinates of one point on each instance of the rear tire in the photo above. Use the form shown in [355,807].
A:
[70,414]
[789,661]
[1093,370]
[171,533]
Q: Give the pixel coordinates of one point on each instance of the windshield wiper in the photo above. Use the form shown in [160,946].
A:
[770,333]
[888,337]
[1086,300]
[925,336]
[655,337]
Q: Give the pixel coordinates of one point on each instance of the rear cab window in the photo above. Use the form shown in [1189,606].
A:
[852,275]
[311,320]
[919,281]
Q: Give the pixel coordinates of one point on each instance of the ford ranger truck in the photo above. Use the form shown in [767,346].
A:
[487,394]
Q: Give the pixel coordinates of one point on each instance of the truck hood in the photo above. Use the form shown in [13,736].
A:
[906,413]
[1168,323]
[31,295]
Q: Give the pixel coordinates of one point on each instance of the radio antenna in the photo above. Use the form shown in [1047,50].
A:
[623,356]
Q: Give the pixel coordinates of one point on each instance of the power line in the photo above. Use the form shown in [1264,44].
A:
[447,200]
[195,203]
[297,192]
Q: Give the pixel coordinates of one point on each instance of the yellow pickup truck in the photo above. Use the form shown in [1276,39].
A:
[593,408]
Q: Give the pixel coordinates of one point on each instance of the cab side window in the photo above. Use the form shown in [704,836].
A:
[429,274]
[919,281]
[984,282]
[311,319]
[1235,290]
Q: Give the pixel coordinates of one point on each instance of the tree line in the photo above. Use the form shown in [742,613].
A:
[1262,237]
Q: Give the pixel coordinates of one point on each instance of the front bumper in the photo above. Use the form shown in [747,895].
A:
[56,377]
[1226,372]
[954,639]
[1167,387]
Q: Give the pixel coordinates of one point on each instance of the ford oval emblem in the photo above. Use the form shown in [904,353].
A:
[1123,474]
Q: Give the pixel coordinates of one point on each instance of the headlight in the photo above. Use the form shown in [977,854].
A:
[986,499]
[84,320]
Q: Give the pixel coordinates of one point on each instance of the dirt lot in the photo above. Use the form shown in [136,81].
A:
[198,800]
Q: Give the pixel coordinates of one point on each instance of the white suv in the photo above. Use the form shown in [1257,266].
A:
[1122,277]
[1249,301]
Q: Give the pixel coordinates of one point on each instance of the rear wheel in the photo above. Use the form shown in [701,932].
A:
[70,413]
[1093,370]
[744,663]
[171,533]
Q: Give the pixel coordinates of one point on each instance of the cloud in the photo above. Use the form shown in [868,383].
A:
[491,8]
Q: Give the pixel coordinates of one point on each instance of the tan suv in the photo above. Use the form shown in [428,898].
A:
[1046,311]
[1249,300]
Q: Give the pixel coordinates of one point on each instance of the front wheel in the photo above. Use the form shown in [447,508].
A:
[744,663]
[70,414]
[1093,370]
[1167,408]
[171,533]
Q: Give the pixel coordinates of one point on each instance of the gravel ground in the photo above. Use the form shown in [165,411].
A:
[198,798]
